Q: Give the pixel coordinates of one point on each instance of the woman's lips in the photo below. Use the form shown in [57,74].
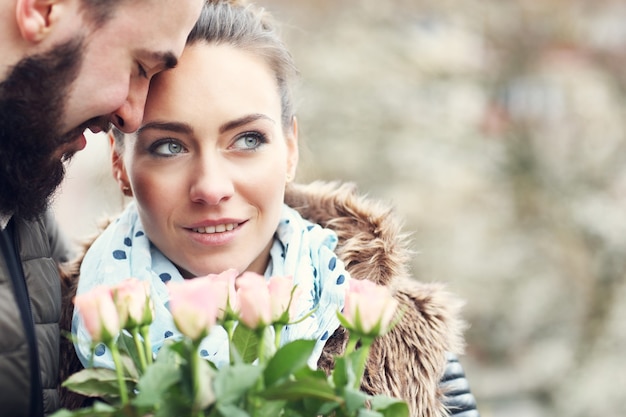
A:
[219,228]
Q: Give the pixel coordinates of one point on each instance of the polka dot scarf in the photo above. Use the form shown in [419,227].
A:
[300,249]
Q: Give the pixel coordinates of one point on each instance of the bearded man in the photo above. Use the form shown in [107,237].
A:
[66,66]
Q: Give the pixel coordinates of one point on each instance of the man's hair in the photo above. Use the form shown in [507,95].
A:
[100,11]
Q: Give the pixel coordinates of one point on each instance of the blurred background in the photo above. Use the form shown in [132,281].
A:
[497,130]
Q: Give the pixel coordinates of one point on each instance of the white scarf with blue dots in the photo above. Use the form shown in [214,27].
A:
[301,249]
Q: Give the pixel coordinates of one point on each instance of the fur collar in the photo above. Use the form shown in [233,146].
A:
[409,361]
[370,241]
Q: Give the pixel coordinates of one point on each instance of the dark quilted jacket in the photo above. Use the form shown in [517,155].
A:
[35,246]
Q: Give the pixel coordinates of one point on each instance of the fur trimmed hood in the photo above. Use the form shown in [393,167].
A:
[409,361]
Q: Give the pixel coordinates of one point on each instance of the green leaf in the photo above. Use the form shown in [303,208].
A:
[155,382]
[296,390]
[389,406]
[326,408]
[130,369]
[230,410]
[231,383]
[343,374]
[63,413]
[205,396]
[174,406]
[306,372]
[246,342]
[313,407]
[95,382]
[98,409]
[130,356]
[368,413]
[355,399]
[288,359]
[344,321]
[269,409]
[174,351]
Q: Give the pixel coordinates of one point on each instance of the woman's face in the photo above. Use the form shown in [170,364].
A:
[208,166]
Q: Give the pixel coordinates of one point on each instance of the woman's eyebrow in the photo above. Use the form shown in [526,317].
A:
[185,128]
[170,126]
[243,121]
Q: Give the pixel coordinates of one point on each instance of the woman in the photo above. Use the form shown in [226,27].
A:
[211,171]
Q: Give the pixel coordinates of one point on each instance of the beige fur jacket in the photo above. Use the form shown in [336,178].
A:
[410,361]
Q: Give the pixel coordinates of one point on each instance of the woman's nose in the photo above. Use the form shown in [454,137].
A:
[212,183]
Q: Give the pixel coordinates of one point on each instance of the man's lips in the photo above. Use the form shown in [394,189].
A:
[100,126]
[70,148]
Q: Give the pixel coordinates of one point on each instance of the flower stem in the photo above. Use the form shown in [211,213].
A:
[195,378]
[261,348]
[360,362]
[277,333]
[145,334]
[229,326]
[253,402]
[194,360]
[140,349]
[119,370]
[360,358]
[351,347]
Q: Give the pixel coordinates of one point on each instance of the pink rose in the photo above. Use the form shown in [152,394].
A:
[133,303]
[224,290]
[253,298]
[369,308]
[281,289]
[194,306]
[99,314]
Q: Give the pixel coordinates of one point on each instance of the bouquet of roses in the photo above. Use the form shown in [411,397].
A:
[263,378]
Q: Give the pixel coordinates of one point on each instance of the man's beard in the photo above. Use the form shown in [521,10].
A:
[32,100]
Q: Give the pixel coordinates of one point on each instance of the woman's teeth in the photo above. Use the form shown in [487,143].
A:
[216,229]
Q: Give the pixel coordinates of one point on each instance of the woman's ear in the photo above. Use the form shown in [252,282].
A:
[118,168]
[34,18]
[293,153]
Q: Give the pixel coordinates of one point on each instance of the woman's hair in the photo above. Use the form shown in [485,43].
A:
[249,28]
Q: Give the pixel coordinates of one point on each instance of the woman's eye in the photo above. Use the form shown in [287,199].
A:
[250,141]
[167,148]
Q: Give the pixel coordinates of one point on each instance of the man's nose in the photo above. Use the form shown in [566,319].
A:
[128,116]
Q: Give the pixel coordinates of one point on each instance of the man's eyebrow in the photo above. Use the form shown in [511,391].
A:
[166,59]
[243,121]
[175,127]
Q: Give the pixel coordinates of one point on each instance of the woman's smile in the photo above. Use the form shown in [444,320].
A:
[217,234]
[216,229]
